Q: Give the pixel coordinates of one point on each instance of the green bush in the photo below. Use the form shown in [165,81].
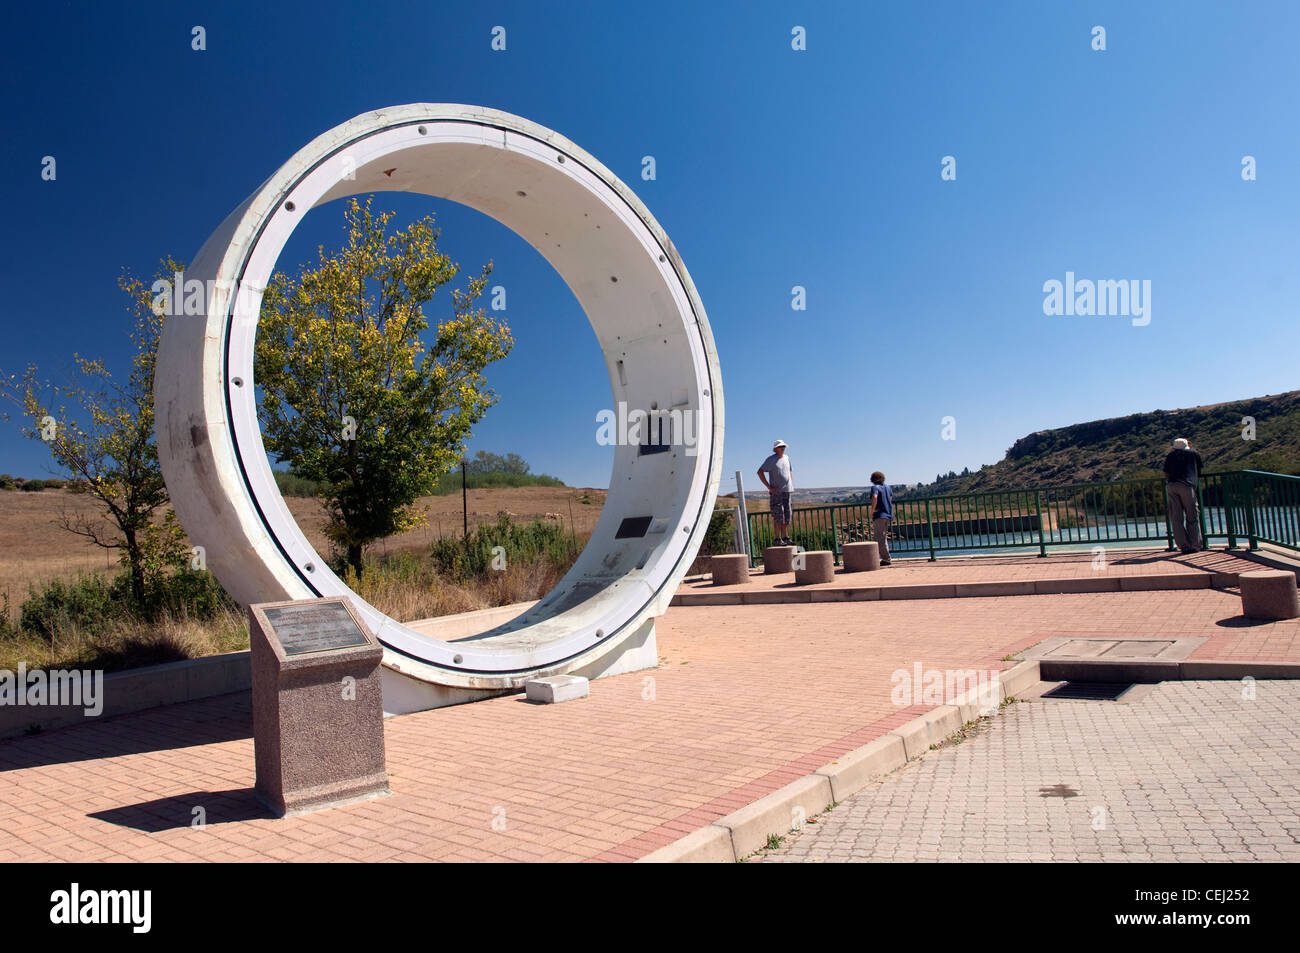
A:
[193,593]
[89,604]
[292,485]
[33,486]
[719,538]
[538,541]
[7,482]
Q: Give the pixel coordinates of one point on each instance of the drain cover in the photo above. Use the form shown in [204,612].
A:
[1138,648]
[1089,691]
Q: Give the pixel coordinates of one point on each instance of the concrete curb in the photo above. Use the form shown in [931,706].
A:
[708,845]
[931,728]
[740,833]
[963,590]
[850,773]
[137,689]
[775,813]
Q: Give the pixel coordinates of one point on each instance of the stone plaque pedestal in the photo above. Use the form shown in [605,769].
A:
[318,720]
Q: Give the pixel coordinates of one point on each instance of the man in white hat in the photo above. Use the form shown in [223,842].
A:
[778,476]
[1183,468]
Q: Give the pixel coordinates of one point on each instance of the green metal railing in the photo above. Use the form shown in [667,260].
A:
[1254,506]
[1241,505]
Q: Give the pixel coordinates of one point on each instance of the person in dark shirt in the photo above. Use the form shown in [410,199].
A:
[882,514]
[1183,468]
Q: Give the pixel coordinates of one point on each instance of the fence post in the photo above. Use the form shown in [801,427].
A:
[1229,507]
[929,526]
[1200,514]
[835,536]
[1252,531]
[1169,526]
[1038,505]
[744,520]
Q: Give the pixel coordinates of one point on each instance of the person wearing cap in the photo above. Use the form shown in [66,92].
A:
[1183,468]
[777,475]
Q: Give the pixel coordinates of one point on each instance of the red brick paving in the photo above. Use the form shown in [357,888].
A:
[746,698]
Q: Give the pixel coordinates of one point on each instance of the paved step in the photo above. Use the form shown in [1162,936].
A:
[833,592]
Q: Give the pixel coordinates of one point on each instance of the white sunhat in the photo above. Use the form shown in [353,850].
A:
[779,443]
[1181,444]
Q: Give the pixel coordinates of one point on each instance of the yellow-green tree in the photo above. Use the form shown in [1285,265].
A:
[355,394]
[101,430]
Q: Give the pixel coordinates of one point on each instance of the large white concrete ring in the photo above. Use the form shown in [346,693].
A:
[641,303]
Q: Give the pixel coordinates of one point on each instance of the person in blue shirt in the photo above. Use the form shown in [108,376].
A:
[882,514]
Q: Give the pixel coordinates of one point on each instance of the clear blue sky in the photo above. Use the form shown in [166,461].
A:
[776,168]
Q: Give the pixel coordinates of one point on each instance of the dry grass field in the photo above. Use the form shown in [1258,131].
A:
[35,549]
[409,584]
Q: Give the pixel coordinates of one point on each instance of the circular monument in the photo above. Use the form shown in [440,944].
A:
[659,356]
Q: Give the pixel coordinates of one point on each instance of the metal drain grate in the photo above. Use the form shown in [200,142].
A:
[1089,691]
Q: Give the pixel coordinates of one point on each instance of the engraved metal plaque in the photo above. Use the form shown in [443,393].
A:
[319,627]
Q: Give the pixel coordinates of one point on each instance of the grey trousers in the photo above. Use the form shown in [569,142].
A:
[880,529]
[1184,516]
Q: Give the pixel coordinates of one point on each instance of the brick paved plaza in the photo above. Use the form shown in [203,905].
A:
[746,699]
[1191,771]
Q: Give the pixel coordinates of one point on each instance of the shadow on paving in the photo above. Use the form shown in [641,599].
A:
[1242,622]
[203,722]
[173,813]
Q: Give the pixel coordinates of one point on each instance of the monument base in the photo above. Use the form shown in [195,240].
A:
[325,796]
[404,694]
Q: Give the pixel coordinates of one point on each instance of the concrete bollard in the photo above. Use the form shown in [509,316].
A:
[1269,594]
[819,566]
[729,570]
[861,557]
[778,558]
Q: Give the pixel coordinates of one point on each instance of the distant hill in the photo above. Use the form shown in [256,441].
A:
[1135,446]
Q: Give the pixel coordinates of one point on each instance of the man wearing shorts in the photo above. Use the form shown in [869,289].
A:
[778,476]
